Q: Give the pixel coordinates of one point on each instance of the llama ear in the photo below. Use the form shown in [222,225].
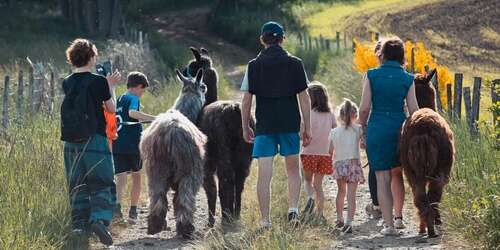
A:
[431,75]
[180,76]
[199,75]
[204,51]
[196,53]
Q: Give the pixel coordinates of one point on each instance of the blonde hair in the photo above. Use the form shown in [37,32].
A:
[347,109]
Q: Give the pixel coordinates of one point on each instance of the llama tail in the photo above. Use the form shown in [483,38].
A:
[423,154]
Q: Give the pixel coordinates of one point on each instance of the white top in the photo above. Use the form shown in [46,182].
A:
[346,142]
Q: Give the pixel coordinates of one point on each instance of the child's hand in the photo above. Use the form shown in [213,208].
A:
[362,142]
[114,78]
[306,137]
[248,134]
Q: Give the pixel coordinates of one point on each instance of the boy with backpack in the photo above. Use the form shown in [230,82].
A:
[87,158]
[126,154]
[276,79]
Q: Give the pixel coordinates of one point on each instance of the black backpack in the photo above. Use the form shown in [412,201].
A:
[78,118]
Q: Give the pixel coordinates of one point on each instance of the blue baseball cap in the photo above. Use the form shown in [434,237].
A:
[274,28]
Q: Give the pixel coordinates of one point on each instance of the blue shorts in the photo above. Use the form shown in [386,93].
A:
[268,145]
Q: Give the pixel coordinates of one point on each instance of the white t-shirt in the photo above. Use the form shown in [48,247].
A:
[346,142]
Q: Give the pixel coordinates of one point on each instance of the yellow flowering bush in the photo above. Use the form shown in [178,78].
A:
[365,58]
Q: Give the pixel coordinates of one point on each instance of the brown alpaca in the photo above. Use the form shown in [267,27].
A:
[427,153]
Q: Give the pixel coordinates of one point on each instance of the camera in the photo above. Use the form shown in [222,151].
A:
[104,69]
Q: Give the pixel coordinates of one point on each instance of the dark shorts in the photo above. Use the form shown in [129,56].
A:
[125,163]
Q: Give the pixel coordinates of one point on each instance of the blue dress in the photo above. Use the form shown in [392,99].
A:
[389,86]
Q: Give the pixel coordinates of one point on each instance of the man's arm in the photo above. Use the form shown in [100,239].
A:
[138,115]
[305,108]
[246,107]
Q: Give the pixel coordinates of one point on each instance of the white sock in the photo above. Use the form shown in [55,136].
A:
[348,221]
[293,209]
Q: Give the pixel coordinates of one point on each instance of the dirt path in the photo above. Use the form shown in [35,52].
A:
[189,27]
[366,230]
[186,27]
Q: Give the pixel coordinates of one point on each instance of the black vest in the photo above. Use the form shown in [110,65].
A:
[275,73]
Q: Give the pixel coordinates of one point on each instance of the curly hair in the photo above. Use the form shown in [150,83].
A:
[80,51]
[319,97]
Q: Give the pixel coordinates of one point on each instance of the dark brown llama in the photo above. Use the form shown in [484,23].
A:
[427,154]
[203,61]
[227,155]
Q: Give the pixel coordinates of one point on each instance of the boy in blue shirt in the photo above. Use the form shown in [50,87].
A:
[126,154]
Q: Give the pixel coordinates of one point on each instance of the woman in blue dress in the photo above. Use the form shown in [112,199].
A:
[385,91]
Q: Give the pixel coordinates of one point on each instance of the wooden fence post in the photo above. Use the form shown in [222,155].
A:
[377,36]
[301,42]
[52,92]
[31,94]
[495,100]
[321,42]
[327,44]
[20,93]
[316,42]
[337,35]
[468,109]
[5,110]
[457,102]
[476,98]
[353,46]
[310,42]
[345,40]
[413,60]
[438,93]
[40,92]
[448,99]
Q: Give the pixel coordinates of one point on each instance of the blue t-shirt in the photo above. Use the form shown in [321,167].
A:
[128,135]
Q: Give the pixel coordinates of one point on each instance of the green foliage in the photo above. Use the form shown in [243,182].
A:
[33,200]
[471,203]
[33,30]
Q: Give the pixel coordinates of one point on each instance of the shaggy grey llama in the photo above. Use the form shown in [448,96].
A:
[172,150]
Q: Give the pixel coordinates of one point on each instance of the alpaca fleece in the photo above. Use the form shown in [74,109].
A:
[228,156]
[173,149]
[427,154]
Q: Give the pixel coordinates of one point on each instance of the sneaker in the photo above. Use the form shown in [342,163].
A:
[117,212]
[293,219]
[102,233]
[347,229]
[339,224]
[309,207]
[132,213]
[389,231]
[398,223]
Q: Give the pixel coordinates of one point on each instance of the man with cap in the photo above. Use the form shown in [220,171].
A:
[277,80]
